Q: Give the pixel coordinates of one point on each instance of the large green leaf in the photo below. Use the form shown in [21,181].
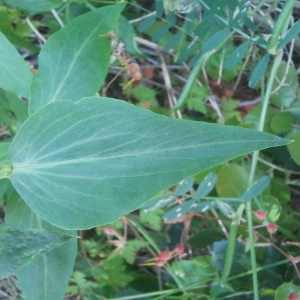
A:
[15,75]
[49,274]
[74,61]
[83,164]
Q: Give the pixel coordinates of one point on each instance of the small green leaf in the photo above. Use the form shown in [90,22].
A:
[173,41]
[184,186]
[272,207]
[146,24]
[160,32]
[91,162]
[179,210]
[70,75]
[282,122]
[237,56]
[15,75]
[130,249]
[206,186]
[294,147]
[256,188]
[126,33]
[152,218]
[215,40]
[259,70]
[203,206]
[226,209]
[291,34]
[158,202]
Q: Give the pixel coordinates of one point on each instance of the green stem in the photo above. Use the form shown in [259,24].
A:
[147,295]
[253,169]
[279,26]
[189,84]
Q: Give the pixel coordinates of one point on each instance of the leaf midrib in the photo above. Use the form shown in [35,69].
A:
[110,157]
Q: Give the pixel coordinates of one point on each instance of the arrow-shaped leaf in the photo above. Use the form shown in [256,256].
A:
[74,61]
[83,164]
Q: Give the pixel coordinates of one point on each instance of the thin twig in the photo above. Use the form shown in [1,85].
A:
[221,67]
[57,17]
[143,17]
[237,82]
[220,222]
[276,167]
[171,96]
[37,33]
[286,72]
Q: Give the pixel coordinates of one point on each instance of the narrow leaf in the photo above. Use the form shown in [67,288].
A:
[206,186]
[74,61]
[259,70]
[126,33]
[51,272]
[79,165]
[232,242]
[291,34]
[173,41]
[146,23]
[237,56]
[15,75]
[179,210]
[184,186]
[203,206]
[226,209]
[217,39]
[256,189]
[158,202]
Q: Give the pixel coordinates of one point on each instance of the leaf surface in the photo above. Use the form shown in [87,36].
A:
[79,165]
[34,6]
[19,247]
[74,61]
[15,75]
[51,272]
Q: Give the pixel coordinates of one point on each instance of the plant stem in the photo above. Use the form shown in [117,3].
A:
[189,84]
[279,26]
[261,123]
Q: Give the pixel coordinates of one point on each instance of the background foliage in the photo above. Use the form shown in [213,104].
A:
[226,229]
